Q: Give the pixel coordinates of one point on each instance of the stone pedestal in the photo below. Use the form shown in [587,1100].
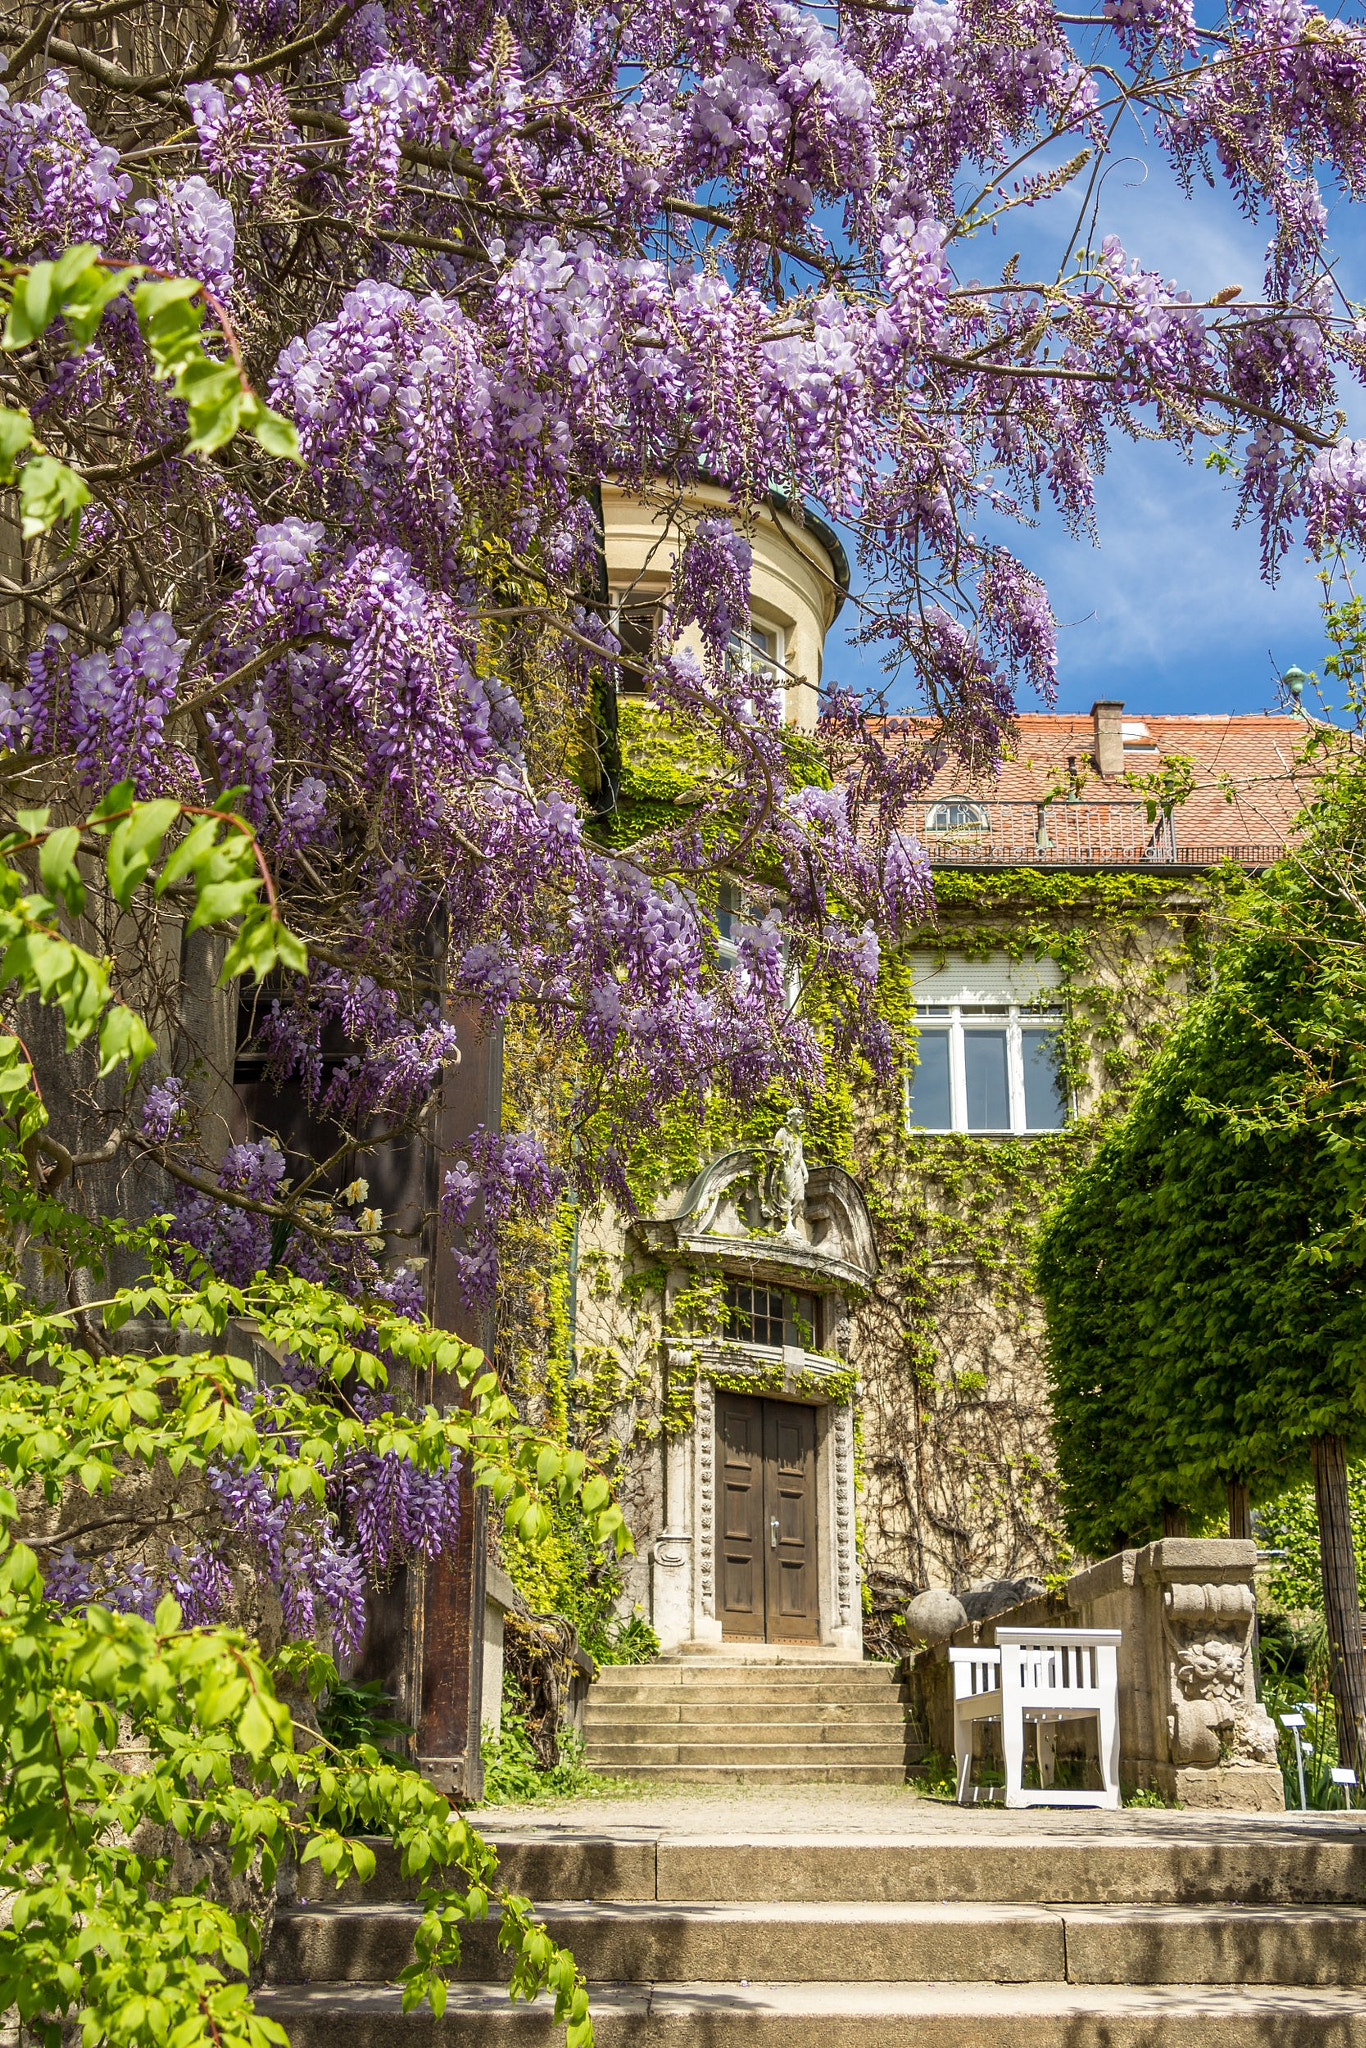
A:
[1191,1725]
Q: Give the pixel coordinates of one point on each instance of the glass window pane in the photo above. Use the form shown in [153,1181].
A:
[931,1104]
[754,1315]
[984,1064]
[1045,1096]
[637,625]
[803,1322]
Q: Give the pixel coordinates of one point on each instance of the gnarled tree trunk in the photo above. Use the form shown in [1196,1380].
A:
[1341,1598]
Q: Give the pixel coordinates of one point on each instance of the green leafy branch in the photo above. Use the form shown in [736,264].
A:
[219,859]
[96,1929]
[76,289]
[101,1935]
[69,1418]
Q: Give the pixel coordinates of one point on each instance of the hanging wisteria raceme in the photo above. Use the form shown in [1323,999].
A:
[189,232]
[319,1578]
[119,703]
[735,259]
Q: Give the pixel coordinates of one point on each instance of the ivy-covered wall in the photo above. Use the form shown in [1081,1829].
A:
[944,1357]
[957,1467]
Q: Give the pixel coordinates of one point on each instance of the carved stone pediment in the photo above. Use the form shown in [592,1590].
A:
[728,1215]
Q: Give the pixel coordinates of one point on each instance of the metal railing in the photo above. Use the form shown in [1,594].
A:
[1070,834]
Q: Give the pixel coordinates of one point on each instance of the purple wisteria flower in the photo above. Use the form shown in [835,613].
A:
[190,232]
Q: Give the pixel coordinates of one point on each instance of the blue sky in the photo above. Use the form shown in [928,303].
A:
[1169,610]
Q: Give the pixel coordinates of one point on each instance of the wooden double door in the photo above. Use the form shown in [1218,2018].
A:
[766,1451]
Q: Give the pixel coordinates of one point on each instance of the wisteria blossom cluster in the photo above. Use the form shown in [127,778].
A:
[319,1577]
[726,257]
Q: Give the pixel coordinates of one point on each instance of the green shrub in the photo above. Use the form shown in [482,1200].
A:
[513,1775]
[631,1641]
[353,1713]
[569,1573]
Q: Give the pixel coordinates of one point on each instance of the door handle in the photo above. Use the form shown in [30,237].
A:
[773,1532]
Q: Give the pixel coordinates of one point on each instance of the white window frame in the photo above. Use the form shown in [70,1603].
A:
[957,1019]
[728,952]
[747,659]
[975,825]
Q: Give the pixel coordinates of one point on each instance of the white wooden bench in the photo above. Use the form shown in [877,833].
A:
[1040,1676]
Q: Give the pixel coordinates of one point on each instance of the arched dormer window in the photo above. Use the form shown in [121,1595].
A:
[957,815]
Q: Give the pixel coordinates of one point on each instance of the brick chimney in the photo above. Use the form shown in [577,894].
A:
[1107,719]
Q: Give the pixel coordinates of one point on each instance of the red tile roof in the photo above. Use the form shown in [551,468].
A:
[1249,785]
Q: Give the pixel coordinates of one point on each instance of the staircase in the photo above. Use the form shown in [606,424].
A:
[712,1719]
[1220,1931]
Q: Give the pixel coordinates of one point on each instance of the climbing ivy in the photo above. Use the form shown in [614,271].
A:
[958,1451]
[951,1429]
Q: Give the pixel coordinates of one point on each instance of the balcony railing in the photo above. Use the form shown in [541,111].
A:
[1063,834]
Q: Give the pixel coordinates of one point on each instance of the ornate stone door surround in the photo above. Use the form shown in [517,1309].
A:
[764,1216]
[684,1561]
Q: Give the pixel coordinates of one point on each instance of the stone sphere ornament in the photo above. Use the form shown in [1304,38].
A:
[934,1616]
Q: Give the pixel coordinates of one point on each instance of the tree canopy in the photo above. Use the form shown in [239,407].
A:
[1204,1275]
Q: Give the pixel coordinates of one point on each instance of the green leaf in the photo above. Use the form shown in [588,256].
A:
[18,1568]
[194,847]
[50,490]
[254,1730]
[31,307]
[16,434]
[135,843]
[171,325]
[214,395]
[218,900]
[271,430]
[72,264]
[57,867]
[167,1618]
[124,1036]
[84,300]
[262,944]
[114,800]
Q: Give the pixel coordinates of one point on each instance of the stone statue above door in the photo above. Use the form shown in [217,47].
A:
[767,1210]
[784,1176]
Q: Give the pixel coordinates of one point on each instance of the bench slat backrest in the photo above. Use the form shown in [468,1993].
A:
[975,1671]
[1058,1667]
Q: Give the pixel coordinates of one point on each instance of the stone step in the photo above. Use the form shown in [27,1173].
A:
[725,1698]
[635,1728]
[908,1943]
[749,1748]
[613,1710]
[845,2015]
[703,1776]
[1172,1861]
[712,1671]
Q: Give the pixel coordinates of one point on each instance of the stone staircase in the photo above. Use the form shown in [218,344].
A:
[712,1719]
[1217,1932]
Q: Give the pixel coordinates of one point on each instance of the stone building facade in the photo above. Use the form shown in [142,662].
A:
[813,1355]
